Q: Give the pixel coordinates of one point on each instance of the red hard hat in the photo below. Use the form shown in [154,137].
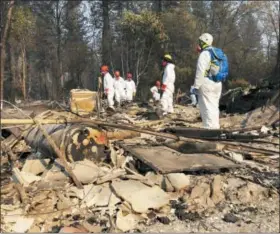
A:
[104,68]
[157,83]
[129,75]
[117,73]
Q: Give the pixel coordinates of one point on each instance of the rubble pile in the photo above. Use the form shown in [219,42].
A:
[132,189]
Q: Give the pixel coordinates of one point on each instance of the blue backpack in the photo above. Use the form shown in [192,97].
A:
[218,71]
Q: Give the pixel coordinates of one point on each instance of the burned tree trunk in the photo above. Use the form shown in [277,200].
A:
[106,37]
[3,48]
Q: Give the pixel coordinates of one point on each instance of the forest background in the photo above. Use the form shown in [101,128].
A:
[50,47]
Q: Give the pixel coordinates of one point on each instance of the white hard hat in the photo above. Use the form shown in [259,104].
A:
[206,38]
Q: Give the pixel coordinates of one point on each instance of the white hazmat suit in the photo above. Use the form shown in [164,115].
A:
[130,88]
[209,92]
[167,96]
[119,86]
[155,92]
[109,89]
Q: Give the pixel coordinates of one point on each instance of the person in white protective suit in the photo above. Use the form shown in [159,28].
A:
[208,91]
[130,88]
[155,91]
[119,86]
[167,87]
[108,85]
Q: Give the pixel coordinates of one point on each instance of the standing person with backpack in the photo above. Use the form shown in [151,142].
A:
[212,69]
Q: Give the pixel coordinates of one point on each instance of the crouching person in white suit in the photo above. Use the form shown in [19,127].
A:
[155,90]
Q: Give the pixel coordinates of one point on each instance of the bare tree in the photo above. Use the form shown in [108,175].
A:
[3,46]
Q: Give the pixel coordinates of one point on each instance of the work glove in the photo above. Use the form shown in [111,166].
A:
[163,87]
[194,91]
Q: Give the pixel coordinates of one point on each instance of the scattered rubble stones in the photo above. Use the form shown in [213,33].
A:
[141,197]
[164,220]
[230,218]
[179,180]
[115,200]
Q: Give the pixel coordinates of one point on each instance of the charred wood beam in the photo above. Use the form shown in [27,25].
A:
[61,155]
[217,134]
[133,128]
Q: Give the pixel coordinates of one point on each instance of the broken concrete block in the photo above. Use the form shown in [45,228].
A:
[90,193]
[103,197]
[75,192]
[35,166]
[128,222]
[23,224]
[154,178]
[55,175]
[200,195]
[141,197]
[200,190]
[110,176]
[24,178]
[217,193]
[63,202]
[86,171]
[236,157]
[179,180]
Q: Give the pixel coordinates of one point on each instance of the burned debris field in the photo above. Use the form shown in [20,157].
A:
[68,172]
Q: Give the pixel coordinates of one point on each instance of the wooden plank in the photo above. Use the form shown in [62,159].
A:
[165,160]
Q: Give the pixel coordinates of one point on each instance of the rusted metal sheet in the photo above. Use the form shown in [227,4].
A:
[166,160]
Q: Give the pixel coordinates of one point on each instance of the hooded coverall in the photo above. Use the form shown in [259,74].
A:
[209,92]
[109,89]
[130,88]
[119,89]
[167,96]
[155,93]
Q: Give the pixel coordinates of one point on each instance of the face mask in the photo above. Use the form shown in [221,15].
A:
[198,49]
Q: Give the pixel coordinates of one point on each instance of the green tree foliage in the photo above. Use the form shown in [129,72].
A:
[53,46]
[140,35]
